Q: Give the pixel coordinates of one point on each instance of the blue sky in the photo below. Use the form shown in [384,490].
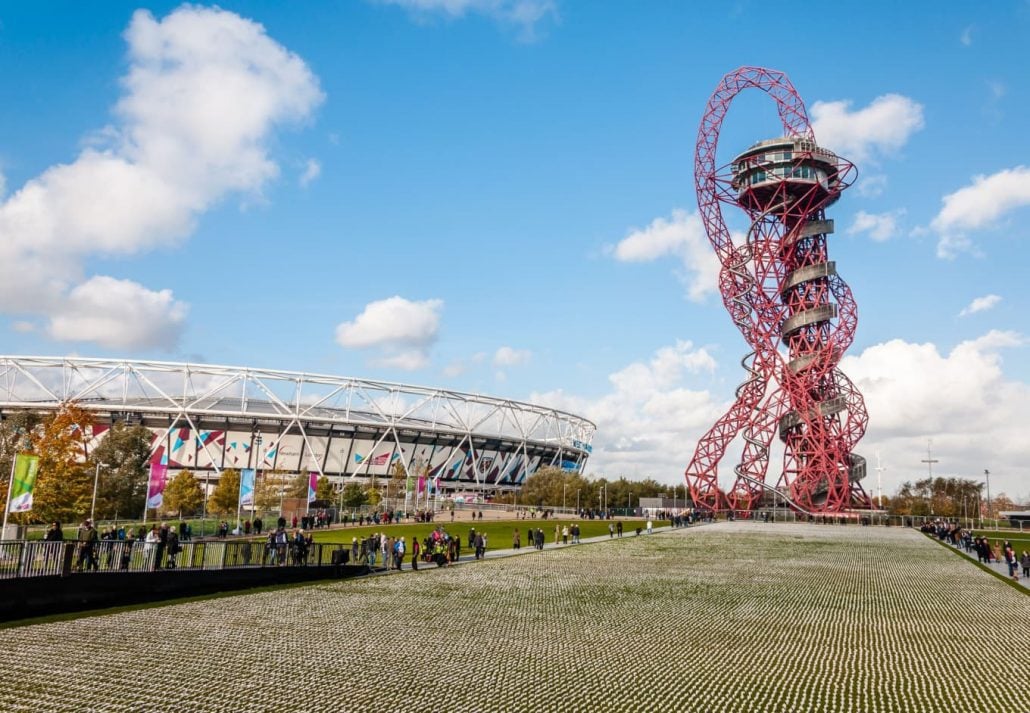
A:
[464,193]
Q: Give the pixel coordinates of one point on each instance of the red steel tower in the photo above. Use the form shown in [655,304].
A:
[795,312]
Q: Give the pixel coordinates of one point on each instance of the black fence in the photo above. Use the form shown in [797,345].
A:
[27,558]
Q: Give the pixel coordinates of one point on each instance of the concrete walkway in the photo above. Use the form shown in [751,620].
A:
[999,567]
[468,556]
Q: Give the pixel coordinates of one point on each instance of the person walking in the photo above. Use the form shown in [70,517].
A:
[1024,560]
[649,526]
[611,530]
[87,537]
[516,541]
[618,527]
[416,550]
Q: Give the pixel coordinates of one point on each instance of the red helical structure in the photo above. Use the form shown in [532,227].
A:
[794,311]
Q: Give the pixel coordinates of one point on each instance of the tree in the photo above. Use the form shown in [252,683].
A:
[549,486]
[64,488]
[298,486]
[225,498]
[183,495]
[373,496]
[270,489]
[1002,503]
[124,458]
[354,495]
[944,497]
[324,489]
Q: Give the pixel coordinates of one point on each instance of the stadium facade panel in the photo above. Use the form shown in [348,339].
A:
[209,418]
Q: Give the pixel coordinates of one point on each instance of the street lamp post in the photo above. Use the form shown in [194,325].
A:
[253,496]
[987,475]
[577,500]
[563,486]
[96,482]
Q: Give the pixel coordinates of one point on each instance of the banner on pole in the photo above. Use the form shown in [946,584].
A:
[156,487]
[26,468]
[247,478]
[312,486]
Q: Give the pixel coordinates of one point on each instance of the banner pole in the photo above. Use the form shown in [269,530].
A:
[7,504]
[146,495]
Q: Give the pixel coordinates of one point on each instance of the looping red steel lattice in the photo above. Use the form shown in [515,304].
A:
[793,309]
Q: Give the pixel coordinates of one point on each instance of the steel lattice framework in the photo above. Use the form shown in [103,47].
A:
[795,312]
[392,417]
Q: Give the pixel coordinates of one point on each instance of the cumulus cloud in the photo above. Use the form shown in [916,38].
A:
[507,356]
[682,236]
[655,409]
[976,416]
[966,38]
[871,186]
[312,170]
[980,304]
[119,314]
[402,330]
[203,92]
[879,226]
[977,206]
[524,14]
[652,414]
[862,134]
[457,367]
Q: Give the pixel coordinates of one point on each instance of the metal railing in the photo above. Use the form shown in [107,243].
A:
[24,558]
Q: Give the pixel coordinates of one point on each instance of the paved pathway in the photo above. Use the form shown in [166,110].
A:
[999,567]
[467,555]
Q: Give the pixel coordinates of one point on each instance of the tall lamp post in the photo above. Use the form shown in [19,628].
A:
[987,475]
[96,483]
[257,462]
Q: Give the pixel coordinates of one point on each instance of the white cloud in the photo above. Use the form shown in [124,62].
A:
[649,420]
[403,329]
[651,417]
[312,170]
[454,369]
[879,226]
[204,90]
[23,327]
[966,38]
[119,314]
[979,205]
[871,186]
[524,14]
[683,236]
[976,416]
[3,184]
[507,356]
[457,367]
[409,360]
[879,129]
[980,304]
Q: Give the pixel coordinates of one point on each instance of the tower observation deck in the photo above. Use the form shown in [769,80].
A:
[795,312]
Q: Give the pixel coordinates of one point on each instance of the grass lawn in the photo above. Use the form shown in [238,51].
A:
[498,532]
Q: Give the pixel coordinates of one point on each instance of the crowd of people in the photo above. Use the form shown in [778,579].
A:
[986,551]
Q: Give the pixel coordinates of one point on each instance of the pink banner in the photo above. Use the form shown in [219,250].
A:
[421,483]
[312,486]
[156,485]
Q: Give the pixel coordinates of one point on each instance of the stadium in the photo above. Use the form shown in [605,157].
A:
[208,418]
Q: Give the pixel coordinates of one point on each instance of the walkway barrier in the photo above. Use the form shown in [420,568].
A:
[33,558]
